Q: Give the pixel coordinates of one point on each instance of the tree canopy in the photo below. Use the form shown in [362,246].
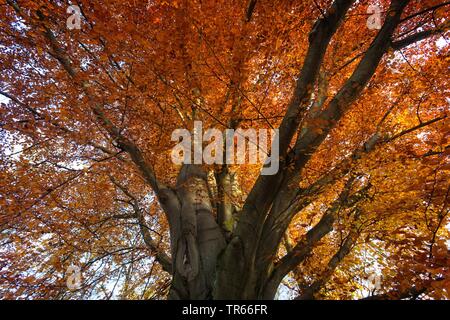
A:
[358,209]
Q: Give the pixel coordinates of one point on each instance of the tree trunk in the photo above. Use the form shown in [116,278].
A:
[201,253]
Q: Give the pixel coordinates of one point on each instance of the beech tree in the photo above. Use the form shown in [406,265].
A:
[91,92]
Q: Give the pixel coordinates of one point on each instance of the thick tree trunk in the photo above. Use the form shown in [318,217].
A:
[200,250]
[197,240]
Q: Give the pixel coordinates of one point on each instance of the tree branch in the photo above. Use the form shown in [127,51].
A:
[419,36]
[311,137]
[262,193]
[161,257]
[307,243]
[259,200]
[250,8]
[166,196]
[344,250]
[433,8]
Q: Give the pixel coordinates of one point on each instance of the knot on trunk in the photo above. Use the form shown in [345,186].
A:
[187,260]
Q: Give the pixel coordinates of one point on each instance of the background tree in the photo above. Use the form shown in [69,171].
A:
[87,179]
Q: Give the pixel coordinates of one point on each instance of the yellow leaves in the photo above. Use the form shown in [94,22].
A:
[15,238]
[318,124]
[175,4]
[278,43]
[54,260]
